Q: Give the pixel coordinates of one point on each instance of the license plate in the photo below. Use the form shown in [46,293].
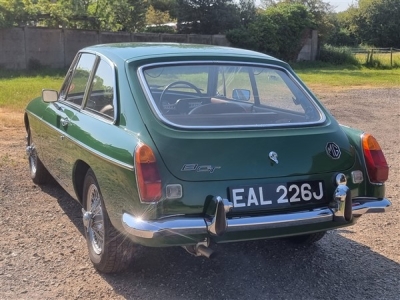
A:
[275,195]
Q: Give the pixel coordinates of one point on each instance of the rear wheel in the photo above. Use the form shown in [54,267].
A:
[109,250]
[307,239]
[38,172]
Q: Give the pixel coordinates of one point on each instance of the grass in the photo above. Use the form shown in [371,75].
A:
[333,77]
[17,88]
[379,60]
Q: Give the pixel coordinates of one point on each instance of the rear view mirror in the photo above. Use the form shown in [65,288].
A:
[49,95]
[241,94]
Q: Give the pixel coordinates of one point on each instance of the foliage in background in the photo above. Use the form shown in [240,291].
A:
[321,13]
[337,55]
[206,16]
[112,15]
[157,17]
[277,31]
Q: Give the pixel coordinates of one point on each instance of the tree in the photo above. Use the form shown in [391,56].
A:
[157,17]
[320,11]
[207,16]
[377,22]
[277,31]
[15,12]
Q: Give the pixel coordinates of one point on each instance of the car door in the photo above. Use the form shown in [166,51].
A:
[64,116]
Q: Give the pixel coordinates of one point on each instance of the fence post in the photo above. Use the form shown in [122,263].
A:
[391,57]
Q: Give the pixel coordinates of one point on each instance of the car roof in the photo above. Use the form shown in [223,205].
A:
[139,51]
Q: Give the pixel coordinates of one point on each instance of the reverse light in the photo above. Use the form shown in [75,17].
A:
[377,167]
[147,175]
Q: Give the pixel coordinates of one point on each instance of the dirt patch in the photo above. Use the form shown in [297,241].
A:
[43,251]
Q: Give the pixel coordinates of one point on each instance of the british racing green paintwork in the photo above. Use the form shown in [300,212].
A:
[107,145]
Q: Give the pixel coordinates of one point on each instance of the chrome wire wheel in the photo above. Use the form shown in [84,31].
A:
[109,250]
[33,160]
[95,230]
[38,172]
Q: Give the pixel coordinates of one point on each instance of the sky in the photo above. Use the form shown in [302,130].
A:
[340,5]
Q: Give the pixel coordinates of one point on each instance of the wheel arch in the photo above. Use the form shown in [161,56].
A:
[26,122]
[80,171]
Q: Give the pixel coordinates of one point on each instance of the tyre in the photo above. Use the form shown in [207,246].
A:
[38,172]
[109,250]
[307,239]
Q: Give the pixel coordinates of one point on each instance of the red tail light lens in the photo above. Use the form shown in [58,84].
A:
[147,175]
[377,168]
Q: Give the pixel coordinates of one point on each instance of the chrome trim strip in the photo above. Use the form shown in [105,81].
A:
[187,227]
[370,205]
[160,116]
[165,227]
[91,150]
[279,221]
[197,226]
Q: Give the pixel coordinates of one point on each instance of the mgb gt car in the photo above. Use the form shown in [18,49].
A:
[191,145]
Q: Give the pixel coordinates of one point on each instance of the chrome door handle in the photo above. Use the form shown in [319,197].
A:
[64,122]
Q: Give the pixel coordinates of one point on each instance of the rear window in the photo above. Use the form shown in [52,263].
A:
[220,95]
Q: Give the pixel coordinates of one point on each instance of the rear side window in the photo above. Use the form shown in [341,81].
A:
[102,94]
[80,78]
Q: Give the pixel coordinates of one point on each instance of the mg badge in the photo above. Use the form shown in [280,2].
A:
[333,150]
[273,156]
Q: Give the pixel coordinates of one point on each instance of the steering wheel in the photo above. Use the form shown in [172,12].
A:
[174,84]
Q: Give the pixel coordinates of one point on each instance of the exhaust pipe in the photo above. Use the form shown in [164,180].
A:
[200,249]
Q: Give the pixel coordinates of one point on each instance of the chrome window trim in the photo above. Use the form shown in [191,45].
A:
[159,115]
[82,107]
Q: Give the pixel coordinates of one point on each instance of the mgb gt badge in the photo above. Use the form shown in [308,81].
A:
[273,156]
[333,150]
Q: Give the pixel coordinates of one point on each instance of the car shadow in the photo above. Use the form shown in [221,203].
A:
[264,269]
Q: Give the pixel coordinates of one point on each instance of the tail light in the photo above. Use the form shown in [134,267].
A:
[147,175]
[377,168]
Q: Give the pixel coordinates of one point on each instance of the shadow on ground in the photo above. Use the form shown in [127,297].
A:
[266,269]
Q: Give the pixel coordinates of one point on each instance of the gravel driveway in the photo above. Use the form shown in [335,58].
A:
[43,251]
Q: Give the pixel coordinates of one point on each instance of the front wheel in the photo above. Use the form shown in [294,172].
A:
[307,239]
[109,250]
[38,172]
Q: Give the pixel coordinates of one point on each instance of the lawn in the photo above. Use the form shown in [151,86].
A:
[345,78]
[18,88]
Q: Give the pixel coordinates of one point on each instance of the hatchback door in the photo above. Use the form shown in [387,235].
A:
[228,121]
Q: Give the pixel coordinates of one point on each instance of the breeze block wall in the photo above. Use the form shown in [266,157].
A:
[32,47]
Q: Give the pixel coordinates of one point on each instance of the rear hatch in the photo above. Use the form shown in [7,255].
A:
[253,154]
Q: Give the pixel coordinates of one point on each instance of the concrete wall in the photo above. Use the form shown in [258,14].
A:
[310,46]
[25,47]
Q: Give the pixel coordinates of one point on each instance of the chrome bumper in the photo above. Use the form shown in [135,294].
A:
[187,227]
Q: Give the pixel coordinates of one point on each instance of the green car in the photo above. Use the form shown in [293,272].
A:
[189,145]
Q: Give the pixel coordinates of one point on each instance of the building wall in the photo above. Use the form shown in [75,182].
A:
[27,47]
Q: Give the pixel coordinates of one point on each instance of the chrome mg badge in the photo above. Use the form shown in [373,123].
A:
[273,156]
[333,150]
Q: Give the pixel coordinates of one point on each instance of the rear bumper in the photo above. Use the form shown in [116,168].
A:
[180,230]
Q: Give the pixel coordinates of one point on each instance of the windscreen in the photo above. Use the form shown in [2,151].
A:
[228,95]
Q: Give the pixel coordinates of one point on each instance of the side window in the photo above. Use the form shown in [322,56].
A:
[233,80]
[80,78]
[275,92]
[101,97]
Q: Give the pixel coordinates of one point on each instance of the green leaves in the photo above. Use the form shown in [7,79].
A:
[111,15]
[276,31]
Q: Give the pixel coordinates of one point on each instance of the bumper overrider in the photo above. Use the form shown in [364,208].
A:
[181,230]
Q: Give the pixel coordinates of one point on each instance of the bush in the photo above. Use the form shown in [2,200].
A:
[337,55]
[160,29]
[277,31]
